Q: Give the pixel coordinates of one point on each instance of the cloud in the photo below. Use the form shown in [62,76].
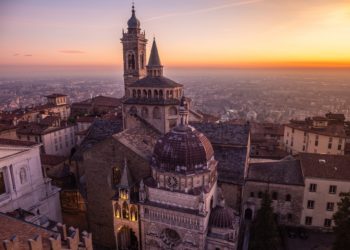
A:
[205,10]
[28,55]
[72,51]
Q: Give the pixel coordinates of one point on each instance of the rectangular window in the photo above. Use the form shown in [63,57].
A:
[330,206]
[291,143]
[292,130]
[2,183]
[327,222]
[289,217]
[251,194]
[308,220]
[329,145]
[316,143]
[303,147]
[310,204]
[339,147]
[332,189]
[286,142]
[330,139]
[312,187]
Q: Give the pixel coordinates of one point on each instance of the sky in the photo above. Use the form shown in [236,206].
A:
[189,33]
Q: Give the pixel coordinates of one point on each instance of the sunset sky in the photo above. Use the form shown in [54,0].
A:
[189,33]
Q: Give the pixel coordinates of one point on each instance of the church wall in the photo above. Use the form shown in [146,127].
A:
[98,163]
[232,194]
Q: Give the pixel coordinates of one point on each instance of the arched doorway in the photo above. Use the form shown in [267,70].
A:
[248,214]
[127,239]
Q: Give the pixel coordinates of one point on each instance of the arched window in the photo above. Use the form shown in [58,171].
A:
[156,94]
[288,197]
[160,93]
[171,94]
[144,112]
[133,213]
[260,195]
[149,94]
[125,210]
[274,195]
[138,93]
[156,113]
[131,60]
[172,111]
[117,210]
[144,93]
[23,175]
[167,94]
[133,110]
[116,176]
[133,93]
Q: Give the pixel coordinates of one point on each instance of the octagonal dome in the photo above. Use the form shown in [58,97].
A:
[183,150]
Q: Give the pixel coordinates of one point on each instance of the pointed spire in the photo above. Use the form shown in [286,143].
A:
[154,67]
[154,59]
[126,179]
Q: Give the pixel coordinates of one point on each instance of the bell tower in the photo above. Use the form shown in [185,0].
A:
[134,52]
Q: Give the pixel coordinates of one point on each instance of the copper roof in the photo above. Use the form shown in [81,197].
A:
[326,166]
[156,82]
[184,149]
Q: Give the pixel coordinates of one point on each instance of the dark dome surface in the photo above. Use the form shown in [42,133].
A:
[183,150]
[133,22]
[222,217]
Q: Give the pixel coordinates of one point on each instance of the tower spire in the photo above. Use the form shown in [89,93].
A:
[154,67]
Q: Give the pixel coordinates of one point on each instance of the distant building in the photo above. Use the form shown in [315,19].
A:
[57,105]
[97,106]
[23,185]
[322,135]
[326,176]
[57,137]
[8,131]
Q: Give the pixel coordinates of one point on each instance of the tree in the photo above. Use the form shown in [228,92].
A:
[264,233]
[342,223]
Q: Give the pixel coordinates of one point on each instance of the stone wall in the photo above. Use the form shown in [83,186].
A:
[98,163]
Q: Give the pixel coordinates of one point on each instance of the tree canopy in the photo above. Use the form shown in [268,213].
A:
[342,223]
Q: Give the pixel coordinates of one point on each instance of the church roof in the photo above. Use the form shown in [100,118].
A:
[222,217]
[156,82]
[154,59]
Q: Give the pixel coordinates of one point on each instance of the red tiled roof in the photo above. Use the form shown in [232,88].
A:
[89,119]
[17,142]
[54,95]
[52,160]
[23,231]
[326,166]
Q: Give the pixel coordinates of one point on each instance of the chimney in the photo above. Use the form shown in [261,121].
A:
[55,242]
[73,238]
[62,230]
[87,240]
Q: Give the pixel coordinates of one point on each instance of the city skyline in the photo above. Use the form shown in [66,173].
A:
[220,34]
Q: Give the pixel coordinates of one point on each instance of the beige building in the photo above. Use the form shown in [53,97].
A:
[284,181]
[326,176]
[322,135]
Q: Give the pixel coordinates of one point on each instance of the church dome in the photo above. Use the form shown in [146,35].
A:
[222,217]
[133,22]
[183,150]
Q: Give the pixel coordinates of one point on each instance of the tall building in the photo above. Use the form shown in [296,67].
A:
[134,52]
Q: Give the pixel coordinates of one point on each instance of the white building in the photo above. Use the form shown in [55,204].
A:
[322,135]
[325,177]
[23,184]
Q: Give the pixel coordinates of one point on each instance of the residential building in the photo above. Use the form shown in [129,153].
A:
[322,135]
[23,185]
[325,177]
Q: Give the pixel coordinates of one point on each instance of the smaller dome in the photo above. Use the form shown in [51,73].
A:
[133,22]
[222,217]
